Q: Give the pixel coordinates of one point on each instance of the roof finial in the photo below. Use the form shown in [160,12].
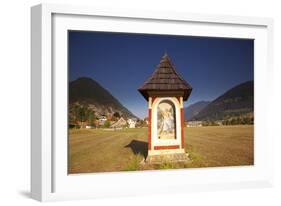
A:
[165,53]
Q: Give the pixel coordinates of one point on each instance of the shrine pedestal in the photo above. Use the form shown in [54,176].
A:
[167,158]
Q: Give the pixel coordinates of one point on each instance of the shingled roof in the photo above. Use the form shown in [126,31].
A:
[165,80]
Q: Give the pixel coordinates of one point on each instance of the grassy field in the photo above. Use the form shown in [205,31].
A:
[97,150]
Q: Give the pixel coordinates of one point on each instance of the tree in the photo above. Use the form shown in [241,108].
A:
[117,115]
[81,114]
[91,118]
[106,124]
[205,123]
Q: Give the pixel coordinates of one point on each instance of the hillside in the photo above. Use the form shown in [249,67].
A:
[89,93]
[238,101]
[192,110]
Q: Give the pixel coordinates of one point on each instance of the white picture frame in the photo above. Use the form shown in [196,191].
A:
[49,179]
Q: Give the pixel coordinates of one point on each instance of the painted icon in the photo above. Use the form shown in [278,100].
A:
[166,120]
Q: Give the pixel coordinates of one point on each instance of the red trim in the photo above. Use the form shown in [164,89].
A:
[167,147]
[152,99]
[149,129]
[182,128]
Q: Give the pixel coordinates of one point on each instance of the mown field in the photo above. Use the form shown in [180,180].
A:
[97,150]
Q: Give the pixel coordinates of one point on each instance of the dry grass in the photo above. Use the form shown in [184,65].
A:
[96,150]
[220,146]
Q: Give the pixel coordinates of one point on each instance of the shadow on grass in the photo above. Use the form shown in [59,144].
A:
[138,147]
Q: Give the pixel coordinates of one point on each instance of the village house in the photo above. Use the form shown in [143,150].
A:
[90,127]
[219,122]
[101,119]
[119,124]
[194,124]
[146,120]
[132,123]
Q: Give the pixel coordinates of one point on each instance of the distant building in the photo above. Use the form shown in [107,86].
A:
[194,124]
[119,124]
[146,120]
[89,127]
[132,123]
[101,120]
[219,122]
[82,124]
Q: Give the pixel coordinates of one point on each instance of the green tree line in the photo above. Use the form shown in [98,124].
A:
[231,121]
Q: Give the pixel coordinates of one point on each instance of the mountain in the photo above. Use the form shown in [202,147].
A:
[238,101]
[194,109]
[87,92]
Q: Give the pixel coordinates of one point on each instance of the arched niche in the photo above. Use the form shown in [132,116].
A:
[166,120]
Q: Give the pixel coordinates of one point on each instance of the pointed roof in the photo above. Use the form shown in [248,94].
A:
[165,79]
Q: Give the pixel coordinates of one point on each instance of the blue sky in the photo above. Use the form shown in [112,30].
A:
[121,62]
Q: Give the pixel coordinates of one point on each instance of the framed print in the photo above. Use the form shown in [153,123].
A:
[138,102]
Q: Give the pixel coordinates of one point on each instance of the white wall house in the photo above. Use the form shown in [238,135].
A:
[89,127]
[194,124]
[102,120]
[132,123]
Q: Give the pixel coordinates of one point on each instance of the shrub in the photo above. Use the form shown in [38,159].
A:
[134,163]
[168,165]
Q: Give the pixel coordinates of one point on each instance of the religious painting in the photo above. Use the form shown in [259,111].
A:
[150,102]
[166,121]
